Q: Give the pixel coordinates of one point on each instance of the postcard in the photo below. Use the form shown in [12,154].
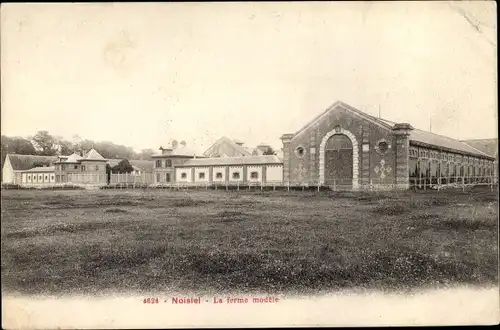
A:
[249,164]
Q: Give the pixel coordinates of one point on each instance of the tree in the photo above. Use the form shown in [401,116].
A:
[65,147]
[45,143]
[146,154]
[17,145]
[122,167]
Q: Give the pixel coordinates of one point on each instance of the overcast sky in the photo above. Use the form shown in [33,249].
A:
[143,74]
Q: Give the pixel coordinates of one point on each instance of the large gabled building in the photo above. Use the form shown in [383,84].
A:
[345,146]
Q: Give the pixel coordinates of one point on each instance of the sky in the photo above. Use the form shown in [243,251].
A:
[142,74]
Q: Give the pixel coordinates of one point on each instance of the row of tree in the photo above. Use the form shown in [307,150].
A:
[45,144]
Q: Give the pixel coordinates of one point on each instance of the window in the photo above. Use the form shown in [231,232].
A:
[83,168]
[299,152]
[183,175]
[218,175]
[157,177]
[168,163]
[40,177]
[75,167]
[201,175]
[52,177]
[46,177]
[167,177]
[158,164]
[236,175]
[97,167]
[63,167]
[29,177]
[383,146]
[254,175]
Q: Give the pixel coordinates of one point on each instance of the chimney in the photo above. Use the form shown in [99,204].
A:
[263,147]
[165,151]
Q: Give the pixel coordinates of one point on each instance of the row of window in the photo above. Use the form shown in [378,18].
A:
[218,175]
[63,167]
[40,177]
[159,163]
[201,176]
[434,169]
[415,153]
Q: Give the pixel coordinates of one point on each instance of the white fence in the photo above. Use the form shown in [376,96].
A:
[124,178]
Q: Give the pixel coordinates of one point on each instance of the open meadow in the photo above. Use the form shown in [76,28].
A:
[146,241]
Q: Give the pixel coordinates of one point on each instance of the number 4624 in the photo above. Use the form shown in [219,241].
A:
[151,300]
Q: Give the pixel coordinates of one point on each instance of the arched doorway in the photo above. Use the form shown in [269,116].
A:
[339,160]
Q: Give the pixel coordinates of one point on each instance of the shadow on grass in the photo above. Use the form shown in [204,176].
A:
[58,229]
[232,216]
[272,272]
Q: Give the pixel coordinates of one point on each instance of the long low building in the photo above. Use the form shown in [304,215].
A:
[231,170]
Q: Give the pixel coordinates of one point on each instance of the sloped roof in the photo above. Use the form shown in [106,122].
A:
[347,107]
[232,143]
[41,169]
[74,158]
[257,152]
[144,165]
[180,151]
[242,160]
[25,162]
[93,155]
[488,146]
[437,140]
[416,135]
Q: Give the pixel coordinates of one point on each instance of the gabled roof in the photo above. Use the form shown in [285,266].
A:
[356,112]
[25,162]
[93,155]
[232,143]
[41,169]
[416,135]
[488,146]
[242,160]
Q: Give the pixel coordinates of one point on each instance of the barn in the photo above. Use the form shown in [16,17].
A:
[344,146]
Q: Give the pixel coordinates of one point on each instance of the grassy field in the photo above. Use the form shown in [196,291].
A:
[89,242]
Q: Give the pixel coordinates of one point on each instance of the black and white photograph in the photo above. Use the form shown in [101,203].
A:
[249,164]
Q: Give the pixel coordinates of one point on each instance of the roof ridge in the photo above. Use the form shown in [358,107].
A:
[347,107]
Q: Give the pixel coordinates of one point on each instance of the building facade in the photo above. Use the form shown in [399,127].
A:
[345,146]
[88,169]
[170,158]
[245,170]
